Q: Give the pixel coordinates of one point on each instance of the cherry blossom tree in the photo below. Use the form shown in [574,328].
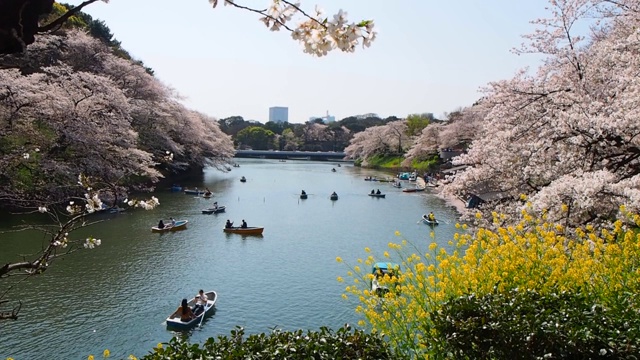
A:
[566,137]
[389,139]
[318,34]
[86,111]
[426,145]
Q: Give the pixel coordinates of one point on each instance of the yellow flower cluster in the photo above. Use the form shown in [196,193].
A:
[531,255]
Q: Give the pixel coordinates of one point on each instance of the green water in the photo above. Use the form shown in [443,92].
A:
[118,295]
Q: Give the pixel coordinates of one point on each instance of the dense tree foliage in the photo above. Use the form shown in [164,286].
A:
[324,344]
[567,135]
[417,122]
[310,136]
[255,138]
[94,113]
[392,139]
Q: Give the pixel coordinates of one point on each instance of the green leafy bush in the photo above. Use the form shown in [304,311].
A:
[323,344]
[531,325]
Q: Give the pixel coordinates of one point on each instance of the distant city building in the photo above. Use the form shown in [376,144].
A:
[325,119]
[279,114]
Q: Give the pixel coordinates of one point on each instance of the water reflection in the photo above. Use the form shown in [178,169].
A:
[285,277]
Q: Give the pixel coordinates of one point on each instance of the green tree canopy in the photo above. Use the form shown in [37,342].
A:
[256,137]
[417,122]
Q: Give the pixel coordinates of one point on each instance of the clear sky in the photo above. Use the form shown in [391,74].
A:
[430,56]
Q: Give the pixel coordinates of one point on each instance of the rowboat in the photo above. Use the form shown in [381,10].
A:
[243,179]
[245,231]
[303,196]
[180,225]
[416,189]
[193,192]
[397,184]
[209,309]
[378,195]
[207,196]
[382,275]
[334,197]
[176,188]
[213,210]
[426,220]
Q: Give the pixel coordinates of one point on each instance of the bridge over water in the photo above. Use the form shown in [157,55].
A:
[293,155]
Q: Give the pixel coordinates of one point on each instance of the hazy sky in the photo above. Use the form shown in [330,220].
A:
[430,56]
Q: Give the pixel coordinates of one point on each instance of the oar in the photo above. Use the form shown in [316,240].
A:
[204,311]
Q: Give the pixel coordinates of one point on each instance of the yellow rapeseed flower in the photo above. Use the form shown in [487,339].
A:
[367,250]
[159,346]
[397,233]
[340,279]
[339,259]
[132,357]
[106,353]
[90,357]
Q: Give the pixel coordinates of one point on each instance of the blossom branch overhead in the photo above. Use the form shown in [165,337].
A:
[317,33]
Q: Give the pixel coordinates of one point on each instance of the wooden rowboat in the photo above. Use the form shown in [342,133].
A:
[176,323]
[180,225]
[334,197]
[245,231]
[217,210]
[303,196]
[378,195]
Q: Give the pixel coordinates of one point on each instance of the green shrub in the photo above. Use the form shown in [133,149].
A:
[322,344]
[530,325]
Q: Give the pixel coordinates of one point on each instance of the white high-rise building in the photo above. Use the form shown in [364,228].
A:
[279,114]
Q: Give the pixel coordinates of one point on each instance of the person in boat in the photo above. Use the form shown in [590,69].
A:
[244,224]
[229,224]
[184,312]
[161,224]
[372,192]
[201,301]
[334,194]
[431,217]
[215,205]
[207,192]
[303,192]
[378,192]
[173,222]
